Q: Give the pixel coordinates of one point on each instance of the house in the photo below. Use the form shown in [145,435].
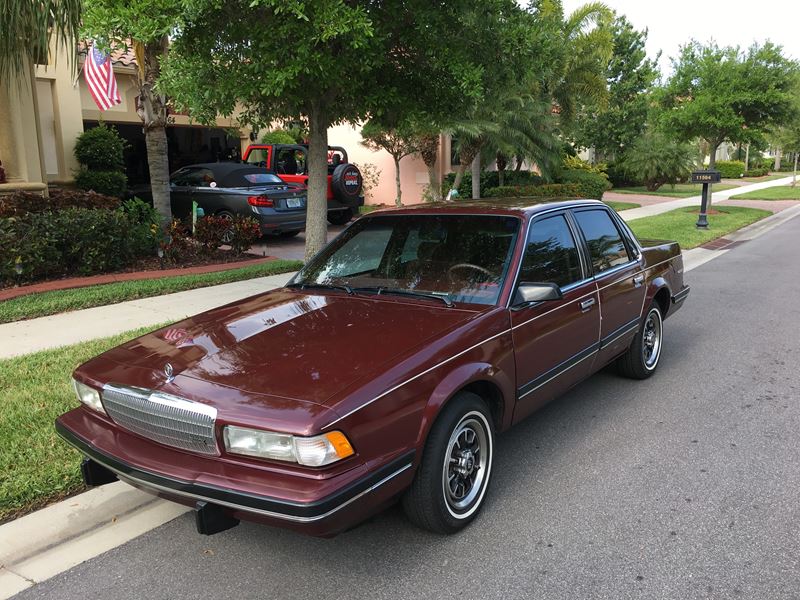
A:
[40,120]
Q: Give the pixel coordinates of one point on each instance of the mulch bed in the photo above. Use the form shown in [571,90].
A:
[150,268]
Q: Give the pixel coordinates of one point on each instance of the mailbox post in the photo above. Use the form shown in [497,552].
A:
[706,177]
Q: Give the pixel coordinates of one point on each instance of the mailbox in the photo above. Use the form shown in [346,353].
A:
[706,176]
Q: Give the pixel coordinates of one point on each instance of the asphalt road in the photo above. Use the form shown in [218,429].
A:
[683,486]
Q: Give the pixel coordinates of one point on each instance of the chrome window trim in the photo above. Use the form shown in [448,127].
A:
[562,371]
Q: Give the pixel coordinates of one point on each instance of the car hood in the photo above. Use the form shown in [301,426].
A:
[291,344]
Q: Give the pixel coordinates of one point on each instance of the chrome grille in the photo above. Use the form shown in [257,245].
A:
[163,418]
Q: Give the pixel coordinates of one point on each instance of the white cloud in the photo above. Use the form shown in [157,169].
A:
[672,23]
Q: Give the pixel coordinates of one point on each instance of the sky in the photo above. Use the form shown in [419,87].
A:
[671,23]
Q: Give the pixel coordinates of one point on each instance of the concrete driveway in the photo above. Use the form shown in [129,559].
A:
[289,247]
[683,486]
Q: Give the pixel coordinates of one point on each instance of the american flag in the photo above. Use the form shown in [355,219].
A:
[100,78]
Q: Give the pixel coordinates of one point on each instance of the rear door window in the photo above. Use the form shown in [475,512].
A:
[606,246]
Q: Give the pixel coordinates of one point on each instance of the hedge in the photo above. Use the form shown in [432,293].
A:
[21,203]
[590,185]
[489,179]
[109,183]
[75,241]
[756,172]
[730,169]
[549,190]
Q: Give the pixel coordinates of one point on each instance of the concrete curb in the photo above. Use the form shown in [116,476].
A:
[42,544]
[54,539]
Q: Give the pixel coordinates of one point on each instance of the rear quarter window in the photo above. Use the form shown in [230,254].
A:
[606,246]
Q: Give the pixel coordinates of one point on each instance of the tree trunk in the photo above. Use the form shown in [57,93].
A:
[712,159]
[747,158]
[152,110]
[317,212]
[399,193]
[502,163]
[777,165]
[794,175]
[429,148]
[158,164]
[476,176]
[518,166]
[457,180]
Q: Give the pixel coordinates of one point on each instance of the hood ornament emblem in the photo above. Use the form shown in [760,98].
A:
[168,371]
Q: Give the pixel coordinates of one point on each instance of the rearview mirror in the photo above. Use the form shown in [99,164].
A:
[536,292]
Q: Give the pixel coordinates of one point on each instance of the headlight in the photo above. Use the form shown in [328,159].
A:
[88,395]
[309,451]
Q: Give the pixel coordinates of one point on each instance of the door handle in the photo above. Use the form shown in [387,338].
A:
[638,280]
[586,305]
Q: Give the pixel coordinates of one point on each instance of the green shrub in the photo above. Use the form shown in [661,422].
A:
[730,169]
[246,231]
[618,177]
[144,229]
[756,172]
[73,241]
[21,203]
[590,184]
[278,136]
[110,183]
[101,148]
[489,179]
[576,163]
[765,162]
[548,190]
[178,245]
[208,232]
[656,160]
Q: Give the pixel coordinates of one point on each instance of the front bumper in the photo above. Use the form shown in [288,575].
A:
[336,511]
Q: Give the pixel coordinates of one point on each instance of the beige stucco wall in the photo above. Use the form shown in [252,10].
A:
[413,173]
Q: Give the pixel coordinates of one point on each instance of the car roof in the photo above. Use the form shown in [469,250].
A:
[228,174]
[521,207]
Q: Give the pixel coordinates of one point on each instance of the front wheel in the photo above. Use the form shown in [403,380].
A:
[451,482]
[641,359]
[340,217]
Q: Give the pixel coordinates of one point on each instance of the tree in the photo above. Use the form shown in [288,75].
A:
[27,28]
[582,47]
[399,142]
[725,94]
[326,62]
[629,77]
[147,24]
[656,160]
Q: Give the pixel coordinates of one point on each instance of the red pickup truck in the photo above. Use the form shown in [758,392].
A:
[289,162]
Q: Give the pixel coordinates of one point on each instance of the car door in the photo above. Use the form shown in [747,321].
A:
[617,268]
[554,341]
[180,191]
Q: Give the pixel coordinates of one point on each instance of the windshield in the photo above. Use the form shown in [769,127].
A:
[461,258]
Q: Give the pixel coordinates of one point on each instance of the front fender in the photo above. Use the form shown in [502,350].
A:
[459,378]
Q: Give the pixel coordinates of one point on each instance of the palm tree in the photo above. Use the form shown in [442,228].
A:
[587,44]
[26,29]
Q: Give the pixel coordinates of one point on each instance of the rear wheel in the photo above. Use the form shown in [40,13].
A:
[451,482]
[641,359]
[340,217]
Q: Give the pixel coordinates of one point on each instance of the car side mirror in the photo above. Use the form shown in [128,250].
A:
[528,293]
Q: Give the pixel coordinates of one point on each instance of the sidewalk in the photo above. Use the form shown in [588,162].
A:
[23,337]
[662,207]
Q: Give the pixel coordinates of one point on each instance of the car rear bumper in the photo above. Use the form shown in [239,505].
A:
[359,494]
[275,222]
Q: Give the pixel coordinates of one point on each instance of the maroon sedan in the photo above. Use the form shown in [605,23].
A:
[383,370]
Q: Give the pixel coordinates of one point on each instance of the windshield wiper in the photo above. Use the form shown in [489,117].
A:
[322,286]
[399,292]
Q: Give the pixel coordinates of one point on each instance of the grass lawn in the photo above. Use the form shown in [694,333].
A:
[36,466]
[779,192]
[679,224]
[766,177]
[50,303]
[679,190]
[620,206]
